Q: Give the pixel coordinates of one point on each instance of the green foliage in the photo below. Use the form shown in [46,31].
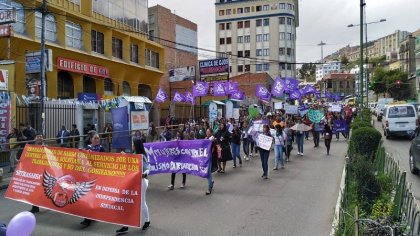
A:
[384,81]
[344,60]
[359,124]
[364,142]
[308,71]
[382,209]
[385,182]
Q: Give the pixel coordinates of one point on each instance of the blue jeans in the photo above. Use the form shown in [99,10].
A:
[278,151]
[236,150]
[299,139]
[245,145]
[264,161]
[210,178]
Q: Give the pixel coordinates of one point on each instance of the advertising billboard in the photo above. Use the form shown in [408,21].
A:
[214,67]
[182,74]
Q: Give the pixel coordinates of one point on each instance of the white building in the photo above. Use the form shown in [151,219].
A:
[325,69]
[259,36]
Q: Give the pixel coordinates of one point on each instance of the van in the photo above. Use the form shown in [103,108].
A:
[380,107]
[400,120]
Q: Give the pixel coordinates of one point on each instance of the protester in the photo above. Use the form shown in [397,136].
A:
[245,139]
[95,146]
[179,136]
[223,139]
[264,154]
[12,139]
[39,140]
[315,133]
[152,133]
[327,136]
[300,138]
[63,136]
[213,161]
[235,144]
[75,136]
[139,149]
[279,141]
[289,141]
[27,135]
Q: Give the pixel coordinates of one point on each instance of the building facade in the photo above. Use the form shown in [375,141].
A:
[389,45]
[95,47]
[341,84]
[327,68]
[258,36]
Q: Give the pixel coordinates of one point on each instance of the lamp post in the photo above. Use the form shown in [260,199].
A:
[366,59]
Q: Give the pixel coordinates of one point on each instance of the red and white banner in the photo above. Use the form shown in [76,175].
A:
[95,185]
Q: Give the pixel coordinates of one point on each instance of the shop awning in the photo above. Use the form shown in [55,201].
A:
[137,99]
[217,102]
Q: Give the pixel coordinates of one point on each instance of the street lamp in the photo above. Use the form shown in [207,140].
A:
[366,62]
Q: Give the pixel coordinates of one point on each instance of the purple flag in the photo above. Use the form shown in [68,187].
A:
[231,87]
[309,89]
[189,97]
[328,95]
[261,92]
[295,95]
[266,99]
[278,87]
[238,95]
[161,96]
[291,84]
[184,156]
[200,89]
[219,89]
[178,97]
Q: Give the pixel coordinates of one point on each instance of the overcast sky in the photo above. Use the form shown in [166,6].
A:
[324,20]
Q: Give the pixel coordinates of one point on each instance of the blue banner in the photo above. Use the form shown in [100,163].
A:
[340,126]
[120,132]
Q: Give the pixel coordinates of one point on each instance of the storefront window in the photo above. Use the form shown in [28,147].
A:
[65,85]
[89,85]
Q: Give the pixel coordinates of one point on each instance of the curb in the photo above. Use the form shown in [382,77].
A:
[337,206]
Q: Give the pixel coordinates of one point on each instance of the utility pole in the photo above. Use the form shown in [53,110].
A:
[43,67]
[322,44]
[362,5]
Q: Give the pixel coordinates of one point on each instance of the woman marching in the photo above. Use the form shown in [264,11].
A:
[236,145]
[179,136]
[264,154]
[279,141]
[213,162]
[327,135]
[139,149]
[223,140]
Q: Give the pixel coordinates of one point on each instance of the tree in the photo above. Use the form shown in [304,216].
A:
[386,82]
[378,80]
[344,60]
[307,72]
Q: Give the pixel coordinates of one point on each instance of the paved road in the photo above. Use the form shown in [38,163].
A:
[298,200]
[399,149]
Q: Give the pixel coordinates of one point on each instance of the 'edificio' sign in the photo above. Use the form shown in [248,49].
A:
[7,16]
[215,66]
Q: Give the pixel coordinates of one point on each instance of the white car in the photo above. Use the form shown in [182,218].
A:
[400,120]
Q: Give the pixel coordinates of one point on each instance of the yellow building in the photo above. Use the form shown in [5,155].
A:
[97,47]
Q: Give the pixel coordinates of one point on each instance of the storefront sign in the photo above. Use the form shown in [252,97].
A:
[7,16]
[82,67]
[4,79]
[33,61]
[215,66]
[5,31]
[87,97]
[4,119]
[139,120]
[95,185]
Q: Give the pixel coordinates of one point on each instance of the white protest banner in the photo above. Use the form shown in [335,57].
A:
[264,142]
[335,108]
[290,109]
[278,105]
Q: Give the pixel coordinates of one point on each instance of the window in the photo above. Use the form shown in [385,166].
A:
[97,41]
[281,36]
[282,66]
[266,37]
[266,52]
[289,51]
[65,85]
[259,37]
[266,67]
[289,66]
[50,27]
[258,67]
[240,68]
[240,39]
[240,54]
[289,36]
[222,41]
[134,53]
[258,52]
[126,89]
[247,24]
[108,87]
[247,9]
[247,53]
[266,21]
[258,22]
[228,40]
[73,35]
[258,8]
[282,6]
[247,68]
[240,24]
[151,35]
[228,11]
[20,25]
[282,20]
[152,58]
[289,21]
[281,51]
[228,26]
[117,48]
[222,26]
[266,7]
[240,10]
[289,6]
[144,90]
[247,39]
[221,12]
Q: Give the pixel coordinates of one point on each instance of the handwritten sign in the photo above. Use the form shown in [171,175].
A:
[264,141]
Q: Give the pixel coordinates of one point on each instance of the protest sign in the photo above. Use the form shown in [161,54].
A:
[340,126]
[278,105]
[290,109]
[95,185]
[315,116]
[183,156]
[335,108]
[264,141]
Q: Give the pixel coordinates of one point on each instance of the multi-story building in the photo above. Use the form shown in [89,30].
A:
[327,68]
[97,47]
[390,44]
[258,36]
[174,32]
[417,55]
[340,84]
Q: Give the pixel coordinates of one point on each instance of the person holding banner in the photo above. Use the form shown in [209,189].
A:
[39,140]
[179,136]
[139,149]
[213,163]
[264,153]
[95,146]
[223,140]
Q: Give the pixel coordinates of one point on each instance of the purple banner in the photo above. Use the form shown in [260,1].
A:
[178,97]
[309,89]
[189,97]
[238,95]
[120,130]
[278,87]
[232,87]
[295,95]
[219,89]
[340,126]
[200,89]
[161,96]
[291,84]
[184,156]
[261,92]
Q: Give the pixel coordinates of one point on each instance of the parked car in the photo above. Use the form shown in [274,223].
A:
[380,107]
[399,120]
